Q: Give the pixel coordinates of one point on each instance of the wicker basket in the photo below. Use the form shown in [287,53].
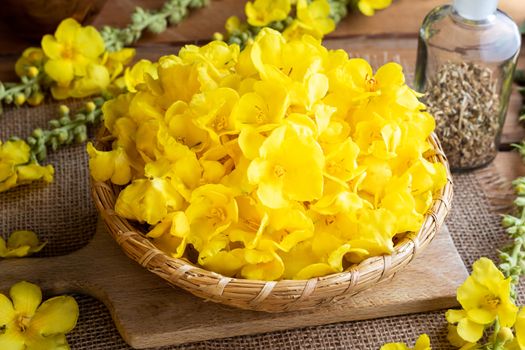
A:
[274,296]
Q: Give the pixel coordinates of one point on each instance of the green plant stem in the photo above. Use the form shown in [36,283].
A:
[65,130]
[172,12]
[26,86]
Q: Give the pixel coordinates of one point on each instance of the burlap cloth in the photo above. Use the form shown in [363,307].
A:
[62,213]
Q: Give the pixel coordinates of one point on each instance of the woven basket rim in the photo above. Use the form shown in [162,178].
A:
[211,285]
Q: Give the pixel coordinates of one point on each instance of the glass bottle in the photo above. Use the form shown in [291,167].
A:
[466,59]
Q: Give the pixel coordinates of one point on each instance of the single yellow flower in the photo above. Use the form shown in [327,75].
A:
[135,75]
[71,50]
[315,16]
[171,233]
[484,296]
[19,244]
[262,12]
[368,7]
[233,24]
[279,171]
[32,57]
[211,211]
[422,343]
[16,168]
[28,324]
[113,165]
[117,60]
[148,200]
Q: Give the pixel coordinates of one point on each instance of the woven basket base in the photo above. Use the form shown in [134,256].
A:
[149,313]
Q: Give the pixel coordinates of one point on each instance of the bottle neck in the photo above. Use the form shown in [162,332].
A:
[475,10]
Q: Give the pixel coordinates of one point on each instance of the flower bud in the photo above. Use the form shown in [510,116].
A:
[63,136]
[36,98]
[54,123]
[520,201]
[218,36]
[505,334]
[20,99]
[8,99]
[509,220]
[38,133]
[31,141]
[64,120]
[32,72]
[63,110]
[90,106]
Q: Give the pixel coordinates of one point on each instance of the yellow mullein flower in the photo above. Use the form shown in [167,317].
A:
[170,234]
[27,323]
[148,200]
[134,76]
[31,57]
[116,61]
[422,343]
[277,169]
[213,110]
[368,7]
[113,165]
[19,244]
[211,211]
[312,18]
[71,50]
[484,296]
[262,12]
[16,168]
[233,24]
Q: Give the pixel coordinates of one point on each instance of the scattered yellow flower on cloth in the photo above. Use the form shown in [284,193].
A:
[422,343]
[28,324]
[283,160]
[20,244]
[484,297]
[17,167]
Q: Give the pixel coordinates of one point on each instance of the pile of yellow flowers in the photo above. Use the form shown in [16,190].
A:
[17,167]
[75,62]
[284,160]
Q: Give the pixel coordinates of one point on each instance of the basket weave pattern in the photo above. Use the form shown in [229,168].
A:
[270,296]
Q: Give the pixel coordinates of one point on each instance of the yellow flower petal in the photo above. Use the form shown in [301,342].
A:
[60,71]
[57,315]
[470,331]
[7,312]
[67,30]
[26,297]
[89,42]
[12,340]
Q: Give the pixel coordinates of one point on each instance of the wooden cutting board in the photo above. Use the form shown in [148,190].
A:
[148,312]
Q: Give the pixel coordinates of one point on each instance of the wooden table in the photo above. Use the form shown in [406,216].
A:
[394,29]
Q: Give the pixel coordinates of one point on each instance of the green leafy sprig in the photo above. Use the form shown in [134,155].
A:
[67,129]
[172,12]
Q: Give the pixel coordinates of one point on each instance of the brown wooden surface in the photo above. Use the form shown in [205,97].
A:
[148,312]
